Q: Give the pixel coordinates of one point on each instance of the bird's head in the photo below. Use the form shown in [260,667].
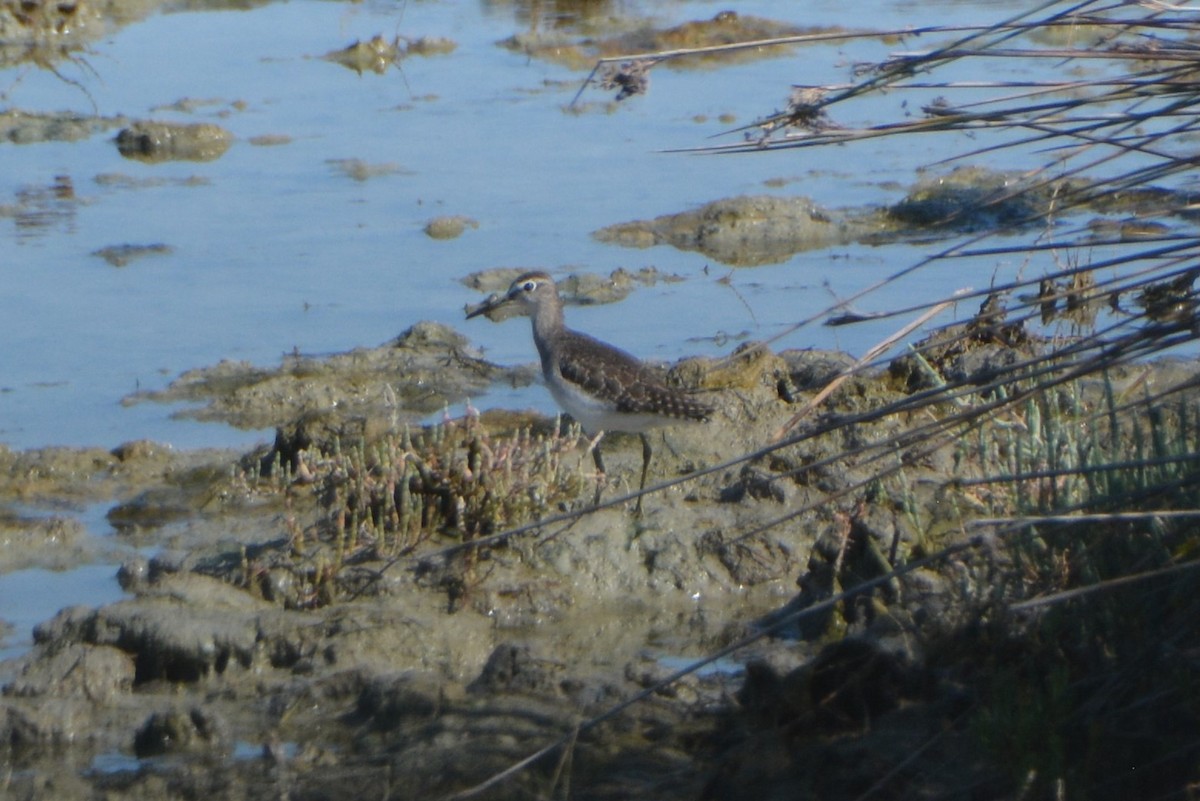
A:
[523,296]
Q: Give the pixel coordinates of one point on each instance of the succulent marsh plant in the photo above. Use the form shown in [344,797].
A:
[379,500]
[454,479]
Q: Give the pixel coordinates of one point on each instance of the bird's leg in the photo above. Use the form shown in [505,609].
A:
[594,447]
[646,454]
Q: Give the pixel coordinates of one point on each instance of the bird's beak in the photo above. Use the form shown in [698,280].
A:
[493,308]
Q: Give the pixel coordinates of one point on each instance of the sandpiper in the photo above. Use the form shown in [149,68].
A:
[602,387]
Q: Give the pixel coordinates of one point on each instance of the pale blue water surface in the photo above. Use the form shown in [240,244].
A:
[279,250]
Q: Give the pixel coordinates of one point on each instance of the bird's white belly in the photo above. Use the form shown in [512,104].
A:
[596,416]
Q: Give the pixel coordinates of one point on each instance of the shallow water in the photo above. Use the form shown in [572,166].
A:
[275,248]
[29,597]
[33,595]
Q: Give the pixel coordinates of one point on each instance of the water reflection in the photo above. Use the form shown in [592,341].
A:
[43,210]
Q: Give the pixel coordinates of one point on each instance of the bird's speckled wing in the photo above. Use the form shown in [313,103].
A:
[614,376]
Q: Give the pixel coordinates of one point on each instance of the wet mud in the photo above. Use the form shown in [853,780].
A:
[43,33]
[753,230]
[449,227]
[152,142]
[725,28]
[378,54]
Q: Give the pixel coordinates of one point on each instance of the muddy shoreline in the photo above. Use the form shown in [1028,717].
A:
[224,653]
[345,607]
[259,651]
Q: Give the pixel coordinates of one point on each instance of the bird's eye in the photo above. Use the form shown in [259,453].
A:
[529,286]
